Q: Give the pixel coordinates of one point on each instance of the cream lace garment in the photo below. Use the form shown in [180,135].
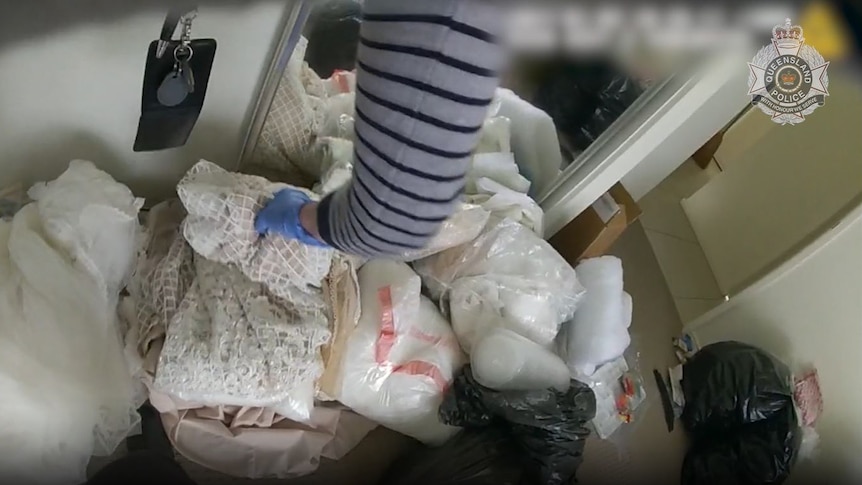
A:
[244,316]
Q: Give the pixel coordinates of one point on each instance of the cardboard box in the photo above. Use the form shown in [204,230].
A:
[593,232]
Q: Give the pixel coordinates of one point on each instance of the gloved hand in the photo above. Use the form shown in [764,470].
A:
[281,216]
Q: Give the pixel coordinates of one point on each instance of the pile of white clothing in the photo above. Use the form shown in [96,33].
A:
[232,367]
[488,266]
[293,122]
[231,340]
[598,333]
[66,391]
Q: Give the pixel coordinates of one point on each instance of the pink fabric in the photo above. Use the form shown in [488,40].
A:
[256,442]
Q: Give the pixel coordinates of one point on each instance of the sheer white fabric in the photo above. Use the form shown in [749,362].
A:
[66,391]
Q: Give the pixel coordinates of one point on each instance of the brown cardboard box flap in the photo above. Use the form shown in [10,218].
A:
[588,236]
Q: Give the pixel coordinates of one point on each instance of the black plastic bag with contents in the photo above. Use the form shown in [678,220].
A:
[472,457]
[740,413]
[548,428]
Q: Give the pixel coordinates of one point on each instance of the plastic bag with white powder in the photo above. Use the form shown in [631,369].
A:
[402,355]
[505,361]
[508,277]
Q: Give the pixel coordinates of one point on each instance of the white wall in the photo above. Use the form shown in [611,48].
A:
[781,191]
[692,122]
[77,94]
[810,311]
[647,145]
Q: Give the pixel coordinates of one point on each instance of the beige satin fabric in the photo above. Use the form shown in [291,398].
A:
[257,442]
[342,289]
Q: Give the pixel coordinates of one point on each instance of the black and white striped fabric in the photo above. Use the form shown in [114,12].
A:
[426,74]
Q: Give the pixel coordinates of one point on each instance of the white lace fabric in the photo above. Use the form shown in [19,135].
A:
[220,226]
[243,317]
[293,121]
[232,342]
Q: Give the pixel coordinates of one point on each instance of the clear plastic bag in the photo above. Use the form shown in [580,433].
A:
[505,203]
[336,164]
[340,81]
[598,333]
[402,355]
[499,167]
[495,136]
[505,361]
[462,227]
[507,277]
[620,398]
[67,390]
[534,141]
[338,115]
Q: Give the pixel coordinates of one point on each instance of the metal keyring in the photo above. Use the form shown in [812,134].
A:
[178,50]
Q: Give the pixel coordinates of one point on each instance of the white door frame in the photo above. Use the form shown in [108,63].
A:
[653,137]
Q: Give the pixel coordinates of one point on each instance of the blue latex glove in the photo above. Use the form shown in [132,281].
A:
[281,216]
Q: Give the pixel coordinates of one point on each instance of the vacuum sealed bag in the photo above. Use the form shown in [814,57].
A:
[402,356]
[508,277]
[506,361]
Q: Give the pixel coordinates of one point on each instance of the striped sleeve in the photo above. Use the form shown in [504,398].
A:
[426,74]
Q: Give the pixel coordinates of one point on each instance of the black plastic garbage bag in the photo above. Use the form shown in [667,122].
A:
[472,457]
[584,99]
[739,410]
[754,454]
[333,36]
[548,427]
[728,384]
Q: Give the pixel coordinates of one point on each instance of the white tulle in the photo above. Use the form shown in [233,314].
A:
[66,391]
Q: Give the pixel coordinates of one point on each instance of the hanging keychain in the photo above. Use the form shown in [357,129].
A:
[180,82]
[175,81]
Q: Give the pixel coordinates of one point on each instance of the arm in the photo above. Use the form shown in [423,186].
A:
[426,73]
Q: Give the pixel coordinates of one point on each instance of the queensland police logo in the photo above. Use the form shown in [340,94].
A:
[788,78]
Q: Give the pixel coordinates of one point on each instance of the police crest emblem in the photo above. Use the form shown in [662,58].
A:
[787,78]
